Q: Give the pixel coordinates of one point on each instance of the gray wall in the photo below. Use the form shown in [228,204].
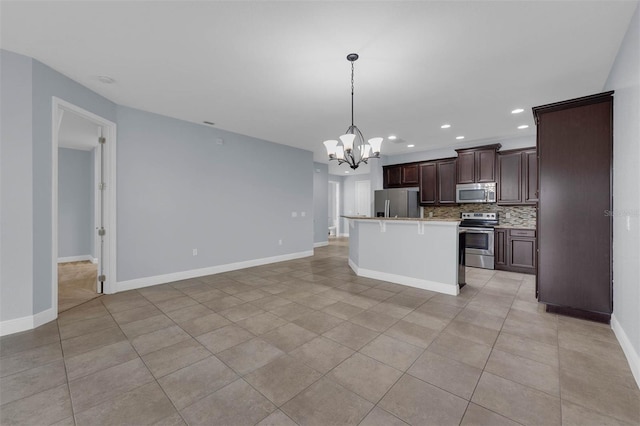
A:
[320,202]
[179,190]
[16,187]
[624,78]
[75,202]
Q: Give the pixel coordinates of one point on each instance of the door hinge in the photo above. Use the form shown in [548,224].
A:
[102,186]
[102,140]
[102,278]
[102,232]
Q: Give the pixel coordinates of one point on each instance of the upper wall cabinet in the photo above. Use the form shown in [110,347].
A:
[477,165]
[429,183]
[517,177]
[401,175]
[438,182]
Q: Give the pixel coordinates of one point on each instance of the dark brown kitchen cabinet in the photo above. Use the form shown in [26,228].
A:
[477,165]
[575,143]
[500,249]
[410,175]
[392,176]
[438,182]
[447,181]
[517,177]
[530,174]
[401,175]
[515,250]
[429,183]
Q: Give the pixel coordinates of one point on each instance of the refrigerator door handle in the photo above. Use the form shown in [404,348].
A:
[387,208]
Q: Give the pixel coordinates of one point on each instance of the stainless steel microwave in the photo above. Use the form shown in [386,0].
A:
[476,192]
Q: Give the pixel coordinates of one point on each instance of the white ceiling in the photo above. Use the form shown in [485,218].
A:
[276,70]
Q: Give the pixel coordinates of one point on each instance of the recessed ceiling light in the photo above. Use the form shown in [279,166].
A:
[445,126]
[106,79]
[459,137]
[346,172]
[392,137]
[524,126]
[410,146]
[210,123]
[517,111]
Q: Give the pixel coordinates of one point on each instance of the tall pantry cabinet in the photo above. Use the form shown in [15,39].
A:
[574,220]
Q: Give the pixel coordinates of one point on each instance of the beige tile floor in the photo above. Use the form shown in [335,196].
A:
[307,342]
[76,284]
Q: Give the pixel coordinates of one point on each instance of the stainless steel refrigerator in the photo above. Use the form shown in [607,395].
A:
[397,203]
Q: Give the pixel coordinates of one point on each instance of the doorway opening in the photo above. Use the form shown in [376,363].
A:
[334,209]
[363,198]
[83,206]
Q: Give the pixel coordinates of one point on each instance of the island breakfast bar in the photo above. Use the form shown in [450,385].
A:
[422,253]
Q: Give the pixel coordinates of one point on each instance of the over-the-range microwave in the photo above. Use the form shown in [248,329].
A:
[476,192]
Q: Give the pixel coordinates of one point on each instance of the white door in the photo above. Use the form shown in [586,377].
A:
[363,198]
[334,206]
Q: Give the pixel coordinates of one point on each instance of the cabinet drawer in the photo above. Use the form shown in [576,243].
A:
[522,233]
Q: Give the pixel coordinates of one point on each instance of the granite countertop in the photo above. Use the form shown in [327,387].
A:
[413,219]
[515,227]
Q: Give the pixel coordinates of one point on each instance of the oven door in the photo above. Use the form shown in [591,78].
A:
[479,241]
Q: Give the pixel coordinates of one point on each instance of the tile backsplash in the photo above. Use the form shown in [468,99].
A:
[520,215]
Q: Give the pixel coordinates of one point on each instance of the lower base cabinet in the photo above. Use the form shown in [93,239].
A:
[515,250]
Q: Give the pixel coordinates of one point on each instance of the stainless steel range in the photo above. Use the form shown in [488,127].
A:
[479,230]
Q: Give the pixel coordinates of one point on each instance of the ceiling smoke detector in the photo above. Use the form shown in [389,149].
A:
[106,79]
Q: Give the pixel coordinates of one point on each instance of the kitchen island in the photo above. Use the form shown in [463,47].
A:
[422,253]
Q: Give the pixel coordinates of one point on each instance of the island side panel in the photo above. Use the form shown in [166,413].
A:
[354,243]
[422,255]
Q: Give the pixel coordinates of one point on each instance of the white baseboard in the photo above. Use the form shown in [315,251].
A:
[321,244]
[194,273]
[404,280]
[344,234]
[27,323]
[630,352]
[77,258]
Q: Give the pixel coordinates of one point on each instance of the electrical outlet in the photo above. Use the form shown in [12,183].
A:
[294,214]
[195,252]
[303,214]
[430,214]
[279,242]
[508,215]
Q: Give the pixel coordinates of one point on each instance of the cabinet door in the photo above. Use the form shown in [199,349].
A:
[393,176]
[428,183]
[522,253]
[410,175]
[466,167]
[500,248]
[447,182]
[574,236]
[510,178]
[530,173]
[485,165]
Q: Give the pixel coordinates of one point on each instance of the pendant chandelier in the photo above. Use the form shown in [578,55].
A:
[352,148]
